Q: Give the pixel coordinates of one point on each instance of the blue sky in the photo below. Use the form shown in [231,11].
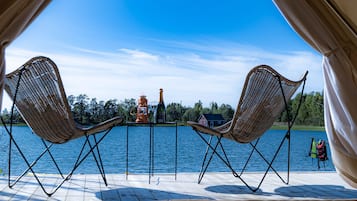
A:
[194,50]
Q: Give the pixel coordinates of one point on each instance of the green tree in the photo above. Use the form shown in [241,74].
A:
[226,111]
[121,112]
[110,109]
[318,110]
[174,112]
[94,111]
[17,118]
[6,116]
[71,100]
[190,115]
[127,105]
[311,110]
[314,109]
[214,108]
[198,107]
[79,109]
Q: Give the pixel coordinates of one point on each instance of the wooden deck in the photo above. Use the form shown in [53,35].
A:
[215,186]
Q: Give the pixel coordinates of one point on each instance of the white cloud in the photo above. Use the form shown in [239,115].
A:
[197,72]
[136,54]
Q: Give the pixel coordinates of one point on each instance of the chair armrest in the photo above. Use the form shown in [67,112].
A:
[224,127]
[105,125]
[203,129]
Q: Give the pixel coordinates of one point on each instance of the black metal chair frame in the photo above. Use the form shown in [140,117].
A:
[93,149]
[224,158]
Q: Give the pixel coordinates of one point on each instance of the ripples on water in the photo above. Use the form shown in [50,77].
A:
[190,151]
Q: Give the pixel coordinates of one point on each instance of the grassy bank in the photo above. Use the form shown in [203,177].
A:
[300,127]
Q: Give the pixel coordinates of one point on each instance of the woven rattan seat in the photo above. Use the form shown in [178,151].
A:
[264,97]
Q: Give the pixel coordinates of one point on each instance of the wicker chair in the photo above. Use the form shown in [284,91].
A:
[37,92]
[264,97]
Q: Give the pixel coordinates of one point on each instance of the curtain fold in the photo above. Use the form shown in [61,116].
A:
[326,26]
[15,16]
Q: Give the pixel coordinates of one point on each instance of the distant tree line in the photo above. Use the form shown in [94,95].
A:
[88,111]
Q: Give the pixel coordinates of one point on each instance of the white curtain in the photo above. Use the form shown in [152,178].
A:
[15,16]
[329,27]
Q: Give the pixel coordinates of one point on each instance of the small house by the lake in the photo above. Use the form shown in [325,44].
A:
[211,120]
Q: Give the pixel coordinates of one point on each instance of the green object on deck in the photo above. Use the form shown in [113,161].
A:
[313,151]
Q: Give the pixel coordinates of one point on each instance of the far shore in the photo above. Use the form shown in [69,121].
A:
[274,127]
[299,127]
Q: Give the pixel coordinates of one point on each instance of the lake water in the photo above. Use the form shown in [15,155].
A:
[190,151]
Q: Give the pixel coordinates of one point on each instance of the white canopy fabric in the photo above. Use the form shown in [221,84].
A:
[15,16]
[330,26]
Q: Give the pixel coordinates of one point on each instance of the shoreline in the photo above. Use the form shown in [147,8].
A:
[274,127]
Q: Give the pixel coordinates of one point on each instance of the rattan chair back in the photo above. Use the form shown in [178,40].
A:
[41,100]
[261,103]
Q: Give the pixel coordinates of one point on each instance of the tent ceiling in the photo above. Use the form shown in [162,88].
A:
[346,9]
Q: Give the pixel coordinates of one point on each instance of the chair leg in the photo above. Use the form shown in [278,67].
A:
[81,157]
[101,162]
[52,158]
[29,166]
[269,163]
[249,157]
[206,162]
[224,158]
[98,160]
